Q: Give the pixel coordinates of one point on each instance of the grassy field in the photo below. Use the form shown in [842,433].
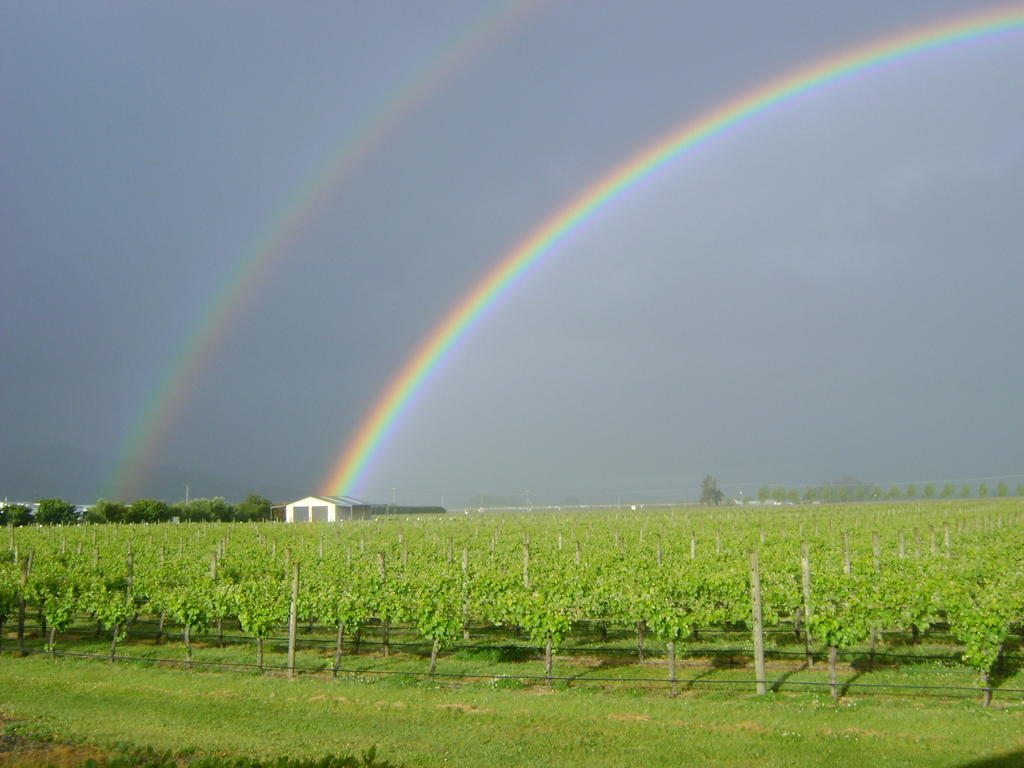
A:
[417,723]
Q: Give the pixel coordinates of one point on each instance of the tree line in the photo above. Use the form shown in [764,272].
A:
[61,512]
[866,492]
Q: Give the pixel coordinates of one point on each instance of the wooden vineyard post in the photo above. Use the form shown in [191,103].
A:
[833,681]
[755,600]
[26,569]
[293,615]
[901,545]
[526,562]
[672,667]
[805,573]
[382,564]
[579,552]
[465,593]
[847,567]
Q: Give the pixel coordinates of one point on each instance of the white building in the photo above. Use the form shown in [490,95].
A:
[326,509]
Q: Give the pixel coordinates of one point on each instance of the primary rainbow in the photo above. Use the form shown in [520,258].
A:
[348,469]
[253,266]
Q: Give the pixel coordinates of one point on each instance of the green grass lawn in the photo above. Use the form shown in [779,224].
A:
[417,723]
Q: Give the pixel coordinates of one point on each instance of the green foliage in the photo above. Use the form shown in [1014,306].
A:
[437,613]
[148,511]
[929,491]
[980,617]
[10,592]
[630,570]
[56,512]
[15,515]
[112,607]
[842,613]
[260,605]
[709,491]
[104,511]
[192,604]
[254,508]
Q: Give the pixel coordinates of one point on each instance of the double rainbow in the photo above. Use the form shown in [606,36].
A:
[350,466]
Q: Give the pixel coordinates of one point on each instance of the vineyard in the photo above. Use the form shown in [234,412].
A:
[832,598]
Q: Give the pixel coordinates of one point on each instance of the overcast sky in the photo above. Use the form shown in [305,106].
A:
[832,289]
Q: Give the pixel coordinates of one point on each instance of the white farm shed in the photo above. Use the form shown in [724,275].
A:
[326,509]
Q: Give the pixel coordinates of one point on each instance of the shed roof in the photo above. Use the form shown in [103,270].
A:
[342,501]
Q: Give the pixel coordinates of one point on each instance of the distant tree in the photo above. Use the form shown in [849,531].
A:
[793,495]
[93,516]
[763,494]
[828,493]
[221,509]
[810,494]
[217,509]
[894,492]
[56,512]
[859,492]
[104,511]
[965,491]
[255,507]
[843,493]
[148,511]
[1002,490]
[709,492]
[948,490]
[1020,489]
[912,491]
[15,514]
[778,494]
[877,493]
[983,490]
[929,491]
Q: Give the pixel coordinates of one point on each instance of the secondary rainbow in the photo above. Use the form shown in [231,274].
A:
[241,284]
[348,469]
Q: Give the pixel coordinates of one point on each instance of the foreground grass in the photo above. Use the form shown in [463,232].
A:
[483,724]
